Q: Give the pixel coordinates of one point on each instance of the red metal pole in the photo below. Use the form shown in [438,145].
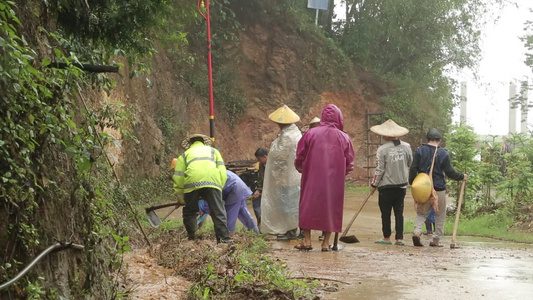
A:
[209,68]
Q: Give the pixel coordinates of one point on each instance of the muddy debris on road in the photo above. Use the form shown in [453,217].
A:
[242,270]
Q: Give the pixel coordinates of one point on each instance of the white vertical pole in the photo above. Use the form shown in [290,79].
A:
[316,18]
[512,108]
[463,103]
[524,108]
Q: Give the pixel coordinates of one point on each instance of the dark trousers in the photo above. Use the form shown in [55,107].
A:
[217,212]
[257,209]
[391,198]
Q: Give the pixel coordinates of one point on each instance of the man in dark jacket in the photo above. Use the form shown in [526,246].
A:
[261,155]
[422,164]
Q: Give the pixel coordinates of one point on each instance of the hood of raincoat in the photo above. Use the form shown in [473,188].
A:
[332,115]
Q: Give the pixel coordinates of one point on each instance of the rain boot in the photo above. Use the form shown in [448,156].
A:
[428,228]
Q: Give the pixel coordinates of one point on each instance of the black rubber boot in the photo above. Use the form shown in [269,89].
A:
[428,228]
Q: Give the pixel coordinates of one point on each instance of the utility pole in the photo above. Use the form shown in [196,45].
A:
[512,108]
[524,106]
[462,120]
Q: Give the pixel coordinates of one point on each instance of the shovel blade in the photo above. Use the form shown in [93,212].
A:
[337,248]
[153,218]
[350,239]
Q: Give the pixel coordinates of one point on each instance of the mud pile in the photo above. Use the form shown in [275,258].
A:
[241,270]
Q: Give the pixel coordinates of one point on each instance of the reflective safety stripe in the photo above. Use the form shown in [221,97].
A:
[219,163]
[212,158]
[199,158]
[200,184]
[184,158]
[178,173]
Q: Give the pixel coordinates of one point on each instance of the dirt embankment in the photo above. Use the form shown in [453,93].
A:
[274,68]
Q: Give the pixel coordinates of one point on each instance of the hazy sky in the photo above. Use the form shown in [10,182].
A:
[502,62]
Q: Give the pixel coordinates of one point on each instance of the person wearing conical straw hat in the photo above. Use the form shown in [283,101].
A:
[200,173]
[391,177]
[315,122]
[312,124]
[281,186]
[422,164]
[325,156]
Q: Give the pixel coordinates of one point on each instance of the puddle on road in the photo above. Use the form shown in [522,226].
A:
[481,268]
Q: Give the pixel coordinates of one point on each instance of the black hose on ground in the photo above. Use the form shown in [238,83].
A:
[57,246]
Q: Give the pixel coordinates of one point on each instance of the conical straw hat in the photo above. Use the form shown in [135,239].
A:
[389,128]
[186,142]
[314,120]
[284,115]
[421,188]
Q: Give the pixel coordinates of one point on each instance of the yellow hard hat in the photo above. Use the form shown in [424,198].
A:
[173,164]
[421,188]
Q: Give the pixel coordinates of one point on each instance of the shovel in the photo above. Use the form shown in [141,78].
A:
[351,239]
[457,213]
[154,220]
[336,245]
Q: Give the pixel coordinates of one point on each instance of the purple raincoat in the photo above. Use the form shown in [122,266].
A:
[324,157]
[234,194]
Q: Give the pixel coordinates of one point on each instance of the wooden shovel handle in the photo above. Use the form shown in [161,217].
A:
[162,206]
[356,214]
[458,212]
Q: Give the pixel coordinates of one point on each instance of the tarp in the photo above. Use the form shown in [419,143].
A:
[281,186]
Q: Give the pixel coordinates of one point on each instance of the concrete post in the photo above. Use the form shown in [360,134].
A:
[463,103]
[523,107]
[512,108]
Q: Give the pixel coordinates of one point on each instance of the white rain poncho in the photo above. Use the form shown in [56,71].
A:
[280,198]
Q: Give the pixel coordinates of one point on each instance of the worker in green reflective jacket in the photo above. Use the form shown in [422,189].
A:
[200,174]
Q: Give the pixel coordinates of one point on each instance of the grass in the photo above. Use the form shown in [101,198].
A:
[492,226]
[497,226]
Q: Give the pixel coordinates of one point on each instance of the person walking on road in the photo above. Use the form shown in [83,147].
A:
[324,157]
[391,177]
[422,164]
[281,188]
[200,173]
